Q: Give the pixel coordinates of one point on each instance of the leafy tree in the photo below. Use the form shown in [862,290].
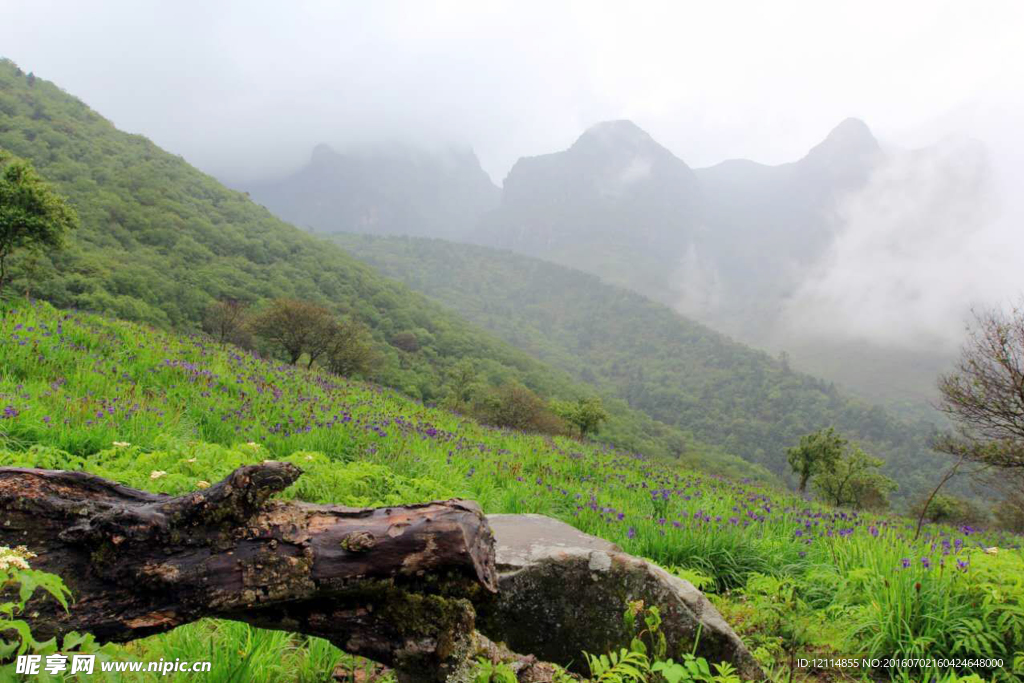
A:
[854,480]
[586,414]
[949,509]
[352,352]
[816,453]
[227,321]
[406,341]
[462,385]
[32,216]
[297,328]
[513,406]
[1009,514]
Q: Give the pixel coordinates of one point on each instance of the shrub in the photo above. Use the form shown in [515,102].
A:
[854,481]
[585,414]
[406,341]
[513,406]
[352,352]
[1009,514]
[947,509]
[295,328]
[33,217]
[19,582]
[227,321]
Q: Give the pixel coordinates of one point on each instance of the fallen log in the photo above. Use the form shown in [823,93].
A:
[392,584]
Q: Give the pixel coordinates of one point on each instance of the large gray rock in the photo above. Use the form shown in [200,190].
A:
[563,591]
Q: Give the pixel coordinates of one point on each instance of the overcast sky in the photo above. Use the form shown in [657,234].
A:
[245,89]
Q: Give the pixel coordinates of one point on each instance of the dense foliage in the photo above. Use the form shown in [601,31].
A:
[32,217]
[160,242]
[167,413]
[675,370]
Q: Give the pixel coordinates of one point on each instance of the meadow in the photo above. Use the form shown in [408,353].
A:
[795,579]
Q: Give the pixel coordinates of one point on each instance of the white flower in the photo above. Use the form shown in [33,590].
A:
[191,460]
[16,558]
[121,444]
[992,551]
[156,474]
[253,444]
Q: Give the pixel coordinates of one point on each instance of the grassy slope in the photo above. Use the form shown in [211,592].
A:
[676,370]
[160,240]
[799,575]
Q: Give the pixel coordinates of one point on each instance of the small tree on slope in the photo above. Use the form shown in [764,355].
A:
[32,216]
[816,452]
[297,327]
[586,414]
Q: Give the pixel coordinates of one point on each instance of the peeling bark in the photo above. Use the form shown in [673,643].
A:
[392,584]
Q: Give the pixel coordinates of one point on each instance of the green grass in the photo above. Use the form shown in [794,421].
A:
[793,577]
[675,370]
[160,241]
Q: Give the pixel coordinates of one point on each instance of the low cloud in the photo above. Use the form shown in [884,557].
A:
[638,169]
[928,238]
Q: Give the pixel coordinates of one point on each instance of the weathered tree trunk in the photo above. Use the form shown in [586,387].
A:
[392,584]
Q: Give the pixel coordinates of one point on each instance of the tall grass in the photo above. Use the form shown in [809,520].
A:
[81,392]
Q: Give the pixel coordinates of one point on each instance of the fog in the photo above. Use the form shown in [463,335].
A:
[929,237]
[245,91]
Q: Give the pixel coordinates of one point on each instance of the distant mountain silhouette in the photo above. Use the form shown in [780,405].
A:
[730,245]
[733,245]
[765,225]
[614,199]
[724,244]
[383,189]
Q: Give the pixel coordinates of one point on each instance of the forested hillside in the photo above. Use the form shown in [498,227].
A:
[747,248]
[675,370]
[757,251]
[159,241]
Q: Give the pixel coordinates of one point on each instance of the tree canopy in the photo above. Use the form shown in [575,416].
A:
[32,215]
[817,452]
[854,480]
[585,414]
[631,349]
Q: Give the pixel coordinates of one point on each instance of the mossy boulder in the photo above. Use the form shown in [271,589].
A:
[563,591]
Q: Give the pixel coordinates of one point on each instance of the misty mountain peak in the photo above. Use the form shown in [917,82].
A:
[851,136]
[845,157]
[322,153]
[622,131]
[384,187]
[615,139]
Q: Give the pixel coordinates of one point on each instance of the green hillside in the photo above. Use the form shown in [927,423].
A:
[675,370]
[160,241]
[167,413]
